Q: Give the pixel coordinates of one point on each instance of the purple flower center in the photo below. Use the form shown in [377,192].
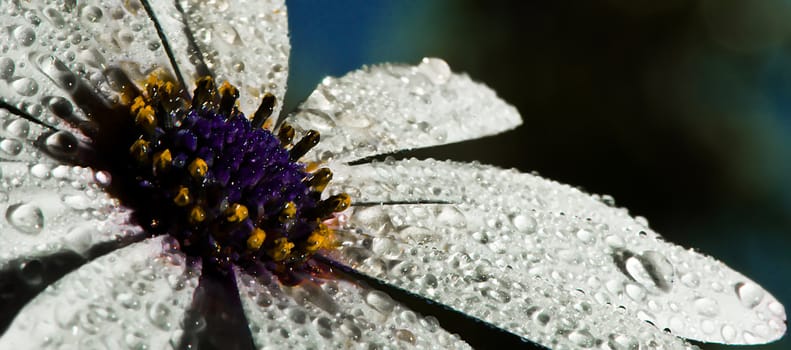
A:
[230,190]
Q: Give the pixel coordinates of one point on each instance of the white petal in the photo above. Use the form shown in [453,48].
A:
[48,208]
[132,298]
[244,42]
[387,108]
[50,46]
[526,226]
[334,314]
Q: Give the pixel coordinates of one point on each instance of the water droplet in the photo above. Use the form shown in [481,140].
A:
[40,171]
[25,86]
[650,268]
[159,314]
[32,271]
[92,13]
[10,147]
[728,333]
[749,294]
[18,128]
[62,144]
[226,32]
[582,338]
[707,307]
[435,69]
[380,302]
[6,68]
[623,342]
[76,201]
[24,36]
[405,335]
[586,236]
[25,217]
[524,223]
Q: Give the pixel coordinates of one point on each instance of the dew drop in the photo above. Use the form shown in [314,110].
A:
[158,314]
[18,128]
[6,68]
[749,294]
[32,272]
[524,223]
[380,302]
[435,69]
[10,147]
[582,338]
[585,236]
[650,268]
[92,13]
[62,144]
[728,333]
[405,335]
[25,86]
[707,307]
[623,342]
[26,218]
[24,36]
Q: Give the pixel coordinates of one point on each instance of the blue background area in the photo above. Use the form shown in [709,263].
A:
[679,109]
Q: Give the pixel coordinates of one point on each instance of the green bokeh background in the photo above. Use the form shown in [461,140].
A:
[679,109]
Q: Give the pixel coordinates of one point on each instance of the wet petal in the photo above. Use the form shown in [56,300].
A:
[48,208]
[132,298]
[388,108]
[244,42]
[519,226]
[324,314]
[51,47]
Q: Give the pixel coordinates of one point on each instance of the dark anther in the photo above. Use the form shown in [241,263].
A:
[204,92]
[304,145]
[320,179]
[286,134]
[333,204]
[264,111]
[228,99]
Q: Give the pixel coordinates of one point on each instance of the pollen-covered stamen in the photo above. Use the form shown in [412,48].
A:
[264,111]
[231,191]
[310,140]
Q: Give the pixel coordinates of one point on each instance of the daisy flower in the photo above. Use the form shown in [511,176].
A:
[152,198]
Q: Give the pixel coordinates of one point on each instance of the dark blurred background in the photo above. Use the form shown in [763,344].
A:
[679,109]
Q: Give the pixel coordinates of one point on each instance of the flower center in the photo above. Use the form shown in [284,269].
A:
[228,188]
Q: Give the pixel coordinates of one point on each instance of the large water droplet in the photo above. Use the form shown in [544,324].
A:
[32,272]
[6,68]
[25,86]
[651,269]
[25,217]
[159,315]
[18,128]
[749,294]
[707,307]
[435,69]
[62,144]
[11,147]
[24,36]
[92,13]
[524,223]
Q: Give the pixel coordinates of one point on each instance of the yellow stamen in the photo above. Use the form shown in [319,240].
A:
[146,118]
[340,202]
[197,215]
[162,160]
[288,212]
[227,89]
[139,102]
[321,238]
[256,239]
[182,198]
[139,150]
[281,250]
[198,168]
[236,213]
